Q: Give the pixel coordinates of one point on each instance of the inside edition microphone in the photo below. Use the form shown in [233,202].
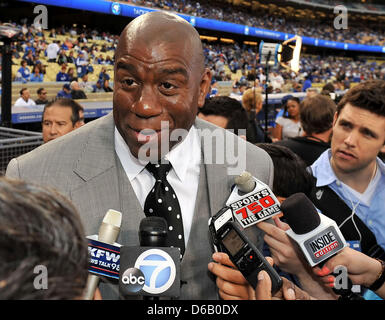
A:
[317,235]
[108,233]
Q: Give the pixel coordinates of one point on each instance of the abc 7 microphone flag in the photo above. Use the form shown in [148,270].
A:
[148,271]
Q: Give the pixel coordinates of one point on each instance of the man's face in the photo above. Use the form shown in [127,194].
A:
[358,137]
[26,95]
[156,82]
[43,95]
[56,122]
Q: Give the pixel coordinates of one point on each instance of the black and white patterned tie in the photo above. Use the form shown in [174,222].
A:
[163,202]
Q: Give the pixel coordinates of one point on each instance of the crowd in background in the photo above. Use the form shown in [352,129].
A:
[77,55]
[261,18]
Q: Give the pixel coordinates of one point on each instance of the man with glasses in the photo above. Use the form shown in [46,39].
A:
[42,96]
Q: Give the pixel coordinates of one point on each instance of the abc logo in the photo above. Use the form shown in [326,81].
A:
[158,269]
[133,279]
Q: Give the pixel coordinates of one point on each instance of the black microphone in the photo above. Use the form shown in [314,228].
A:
[150,270]
[153,232]
[318,236]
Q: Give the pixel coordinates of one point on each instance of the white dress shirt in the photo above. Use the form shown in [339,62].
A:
[185,159]
[20,102]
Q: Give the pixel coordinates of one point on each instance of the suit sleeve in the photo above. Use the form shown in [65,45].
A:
[13,169]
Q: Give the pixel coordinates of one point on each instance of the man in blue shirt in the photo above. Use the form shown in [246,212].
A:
[351,167]
[307,84]
[62,75]
[81,64]
[65,93]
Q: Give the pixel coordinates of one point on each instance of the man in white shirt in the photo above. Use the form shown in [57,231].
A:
[25,99]
[52,51]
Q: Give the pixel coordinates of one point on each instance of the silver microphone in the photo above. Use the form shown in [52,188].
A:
[108,233]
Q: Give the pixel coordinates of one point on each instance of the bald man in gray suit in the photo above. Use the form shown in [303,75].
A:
[160,79]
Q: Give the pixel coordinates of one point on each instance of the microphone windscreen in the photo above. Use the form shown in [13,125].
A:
[300,213]
[153,232]
[245,182]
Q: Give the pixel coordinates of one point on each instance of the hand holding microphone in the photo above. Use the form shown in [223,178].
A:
[362,270]
[233,286]
[318,236]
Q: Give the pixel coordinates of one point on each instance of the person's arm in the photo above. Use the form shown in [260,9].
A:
[277,132]
[288,258]
[362,269]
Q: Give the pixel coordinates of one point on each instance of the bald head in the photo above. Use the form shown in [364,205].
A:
[159,28]
[159,78]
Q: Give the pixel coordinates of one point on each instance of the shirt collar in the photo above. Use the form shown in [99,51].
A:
[180,156]
[131,165]
[322,169]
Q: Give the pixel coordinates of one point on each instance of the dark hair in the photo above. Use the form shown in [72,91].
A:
[39,90]
[40,228]
[329,87]
[285,113]
[316,113]
[369,95]
[22,90]
[229,108]
[66,103]
[290,174]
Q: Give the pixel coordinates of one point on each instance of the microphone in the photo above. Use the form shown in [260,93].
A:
[108,233]
[153,232]
[318,236]
[152,269]
[252,201]
[245,182]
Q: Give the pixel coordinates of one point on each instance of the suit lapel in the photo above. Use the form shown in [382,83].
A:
[106,185]
[218,191]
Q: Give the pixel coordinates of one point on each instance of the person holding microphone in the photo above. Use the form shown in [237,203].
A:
[362,270]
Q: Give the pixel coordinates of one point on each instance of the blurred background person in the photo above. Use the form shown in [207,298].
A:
[25,99]
[225,112]
[40,230]
[61,116]
[252,102]
[76,92]
[289,125]
[316,117]
[65,92]
[42,96]
[36,75]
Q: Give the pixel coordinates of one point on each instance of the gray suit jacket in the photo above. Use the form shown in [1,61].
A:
[83,166]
